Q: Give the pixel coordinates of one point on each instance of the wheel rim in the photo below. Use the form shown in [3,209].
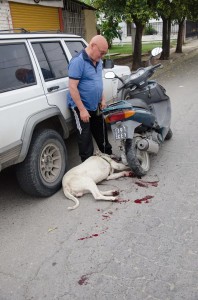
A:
[50,163]
[143,157]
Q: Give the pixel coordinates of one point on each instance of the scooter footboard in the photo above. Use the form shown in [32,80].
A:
[124,130]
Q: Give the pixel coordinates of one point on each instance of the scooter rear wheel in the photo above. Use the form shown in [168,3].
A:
[138,161]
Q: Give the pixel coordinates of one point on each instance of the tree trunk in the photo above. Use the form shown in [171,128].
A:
[137,54]
[166,39]
[180,37]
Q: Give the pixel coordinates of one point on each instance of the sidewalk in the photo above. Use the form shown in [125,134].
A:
[188,47]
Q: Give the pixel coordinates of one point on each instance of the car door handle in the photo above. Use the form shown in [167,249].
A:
[53,88]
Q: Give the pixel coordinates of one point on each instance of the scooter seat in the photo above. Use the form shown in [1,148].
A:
[136,102]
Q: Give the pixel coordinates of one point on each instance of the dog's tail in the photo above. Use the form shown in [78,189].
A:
[71,197]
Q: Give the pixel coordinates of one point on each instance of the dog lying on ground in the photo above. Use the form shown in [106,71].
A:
[83,178]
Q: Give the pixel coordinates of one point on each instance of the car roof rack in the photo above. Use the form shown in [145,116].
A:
[14,30]
[47,31]
[23,30]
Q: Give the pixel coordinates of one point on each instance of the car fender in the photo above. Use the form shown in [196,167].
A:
[33,121]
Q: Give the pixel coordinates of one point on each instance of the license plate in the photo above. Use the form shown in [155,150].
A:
[120,133]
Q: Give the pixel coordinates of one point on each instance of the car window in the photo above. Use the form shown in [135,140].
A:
[15,67]
[52,60]
[75,47]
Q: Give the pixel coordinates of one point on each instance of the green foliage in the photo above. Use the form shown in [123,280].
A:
[109,29]
[139,10]
[192,6]
[149,30]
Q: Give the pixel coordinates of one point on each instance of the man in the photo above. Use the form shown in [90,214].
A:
[86,96]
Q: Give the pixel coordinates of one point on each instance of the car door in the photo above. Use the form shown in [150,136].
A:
[53,55]
[53,68]
[21,91]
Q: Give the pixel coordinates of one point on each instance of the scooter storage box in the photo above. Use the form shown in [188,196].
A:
[152,93]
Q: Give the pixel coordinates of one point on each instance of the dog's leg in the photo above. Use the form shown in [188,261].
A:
[120,174]
[110,193]
[98,195]
[118,166]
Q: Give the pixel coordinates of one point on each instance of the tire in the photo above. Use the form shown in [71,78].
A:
[40,174]
[126,94]
[138,161]
[169,135]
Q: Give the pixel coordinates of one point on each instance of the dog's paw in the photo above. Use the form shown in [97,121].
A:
[129,174]
[116,199]
[115,193]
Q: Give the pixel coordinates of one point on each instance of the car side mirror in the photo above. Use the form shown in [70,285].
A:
[108,63]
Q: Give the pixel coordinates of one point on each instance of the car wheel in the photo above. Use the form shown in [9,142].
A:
[40,174]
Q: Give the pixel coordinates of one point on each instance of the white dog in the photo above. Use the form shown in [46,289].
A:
[82,179]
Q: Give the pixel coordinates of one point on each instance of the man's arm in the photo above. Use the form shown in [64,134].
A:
[73,88]
[103,102]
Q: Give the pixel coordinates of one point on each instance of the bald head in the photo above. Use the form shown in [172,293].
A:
[99,40]
[97,48]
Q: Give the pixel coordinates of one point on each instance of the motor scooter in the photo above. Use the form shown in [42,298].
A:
[140,122]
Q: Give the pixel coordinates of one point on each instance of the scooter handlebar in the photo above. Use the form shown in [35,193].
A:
[157,66]
[148,71]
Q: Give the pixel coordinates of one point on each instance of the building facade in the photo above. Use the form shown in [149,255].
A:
[69,16]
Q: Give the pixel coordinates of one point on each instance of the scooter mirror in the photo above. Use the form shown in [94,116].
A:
[110,75]
[156,51]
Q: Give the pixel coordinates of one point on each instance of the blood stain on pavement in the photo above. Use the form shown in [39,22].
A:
[147,183]
[92,235]
[144,200]
[83,280]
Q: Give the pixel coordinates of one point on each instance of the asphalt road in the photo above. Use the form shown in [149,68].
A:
[145,247]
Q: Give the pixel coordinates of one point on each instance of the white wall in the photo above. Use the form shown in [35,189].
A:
[145,38]
[5,17]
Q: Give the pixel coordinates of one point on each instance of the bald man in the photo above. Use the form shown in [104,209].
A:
[86,95]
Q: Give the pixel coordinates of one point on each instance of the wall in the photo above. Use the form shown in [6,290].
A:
[5,17]
[56,3]
[90,24]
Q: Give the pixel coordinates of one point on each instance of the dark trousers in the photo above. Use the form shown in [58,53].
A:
[97,128]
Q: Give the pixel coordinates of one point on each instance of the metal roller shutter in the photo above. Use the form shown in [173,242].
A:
[34,17]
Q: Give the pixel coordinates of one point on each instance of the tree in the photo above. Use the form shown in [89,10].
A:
[109,28]
[164,10]
[139,12]
[181,11]
[192,6]
[174,11]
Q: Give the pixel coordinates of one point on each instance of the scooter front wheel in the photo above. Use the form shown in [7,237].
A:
[138,161]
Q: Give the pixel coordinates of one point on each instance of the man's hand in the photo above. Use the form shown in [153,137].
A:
[103,103]
[84,115]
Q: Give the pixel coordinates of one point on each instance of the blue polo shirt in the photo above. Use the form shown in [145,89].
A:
[90,84]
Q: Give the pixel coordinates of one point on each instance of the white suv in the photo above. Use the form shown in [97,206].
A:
[34,117]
